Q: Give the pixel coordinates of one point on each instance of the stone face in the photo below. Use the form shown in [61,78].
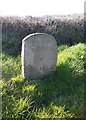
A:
[39,55]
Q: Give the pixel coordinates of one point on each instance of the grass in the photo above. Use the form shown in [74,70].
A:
[57,96]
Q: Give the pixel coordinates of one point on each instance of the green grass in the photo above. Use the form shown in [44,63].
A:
[57,96]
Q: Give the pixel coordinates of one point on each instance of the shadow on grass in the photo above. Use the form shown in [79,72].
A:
[62,88]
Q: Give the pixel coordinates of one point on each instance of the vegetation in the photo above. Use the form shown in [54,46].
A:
[67,30]
[57,96]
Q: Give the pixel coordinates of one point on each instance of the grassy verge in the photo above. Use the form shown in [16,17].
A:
[58,96]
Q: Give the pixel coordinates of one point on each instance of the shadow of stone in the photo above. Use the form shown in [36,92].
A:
[58,88]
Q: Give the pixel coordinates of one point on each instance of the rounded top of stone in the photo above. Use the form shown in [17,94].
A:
[35,34]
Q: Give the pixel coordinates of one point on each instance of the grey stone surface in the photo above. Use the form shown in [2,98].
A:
[39,55]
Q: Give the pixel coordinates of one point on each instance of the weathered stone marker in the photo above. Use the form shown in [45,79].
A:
[39,55]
